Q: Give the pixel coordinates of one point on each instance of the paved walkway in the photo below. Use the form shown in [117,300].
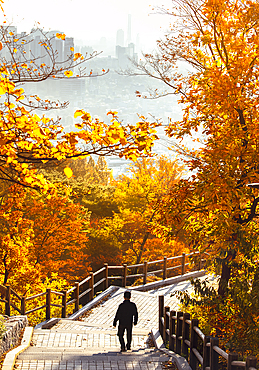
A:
[91,343]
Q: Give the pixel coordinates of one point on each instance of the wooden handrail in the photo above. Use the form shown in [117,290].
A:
[135,266]
[35,309]
[85,280]
[87,288]
[35,296]
[58,293]
[182,334]
[99,271]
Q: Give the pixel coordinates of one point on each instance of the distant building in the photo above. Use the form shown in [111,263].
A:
[68,47]
[120,38]
[124,53]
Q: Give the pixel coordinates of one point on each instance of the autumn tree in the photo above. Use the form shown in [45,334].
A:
[15,241]
[40,237]
[214,207]
[137,195]
[59,236]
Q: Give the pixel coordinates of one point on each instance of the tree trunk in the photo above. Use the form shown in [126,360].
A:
[224,278]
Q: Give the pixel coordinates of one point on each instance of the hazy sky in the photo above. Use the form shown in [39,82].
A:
[90,20]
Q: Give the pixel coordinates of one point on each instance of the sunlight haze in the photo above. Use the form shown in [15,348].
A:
[89,21]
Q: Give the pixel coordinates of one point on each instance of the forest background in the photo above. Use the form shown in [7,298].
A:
[62,217]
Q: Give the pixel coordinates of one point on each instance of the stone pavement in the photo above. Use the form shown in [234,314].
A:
[91,343]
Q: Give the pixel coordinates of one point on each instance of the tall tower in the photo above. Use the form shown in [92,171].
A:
[129,29]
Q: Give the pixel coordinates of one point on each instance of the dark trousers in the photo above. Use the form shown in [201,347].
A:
[121,331]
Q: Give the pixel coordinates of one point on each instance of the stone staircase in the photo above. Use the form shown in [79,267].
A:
[91,343]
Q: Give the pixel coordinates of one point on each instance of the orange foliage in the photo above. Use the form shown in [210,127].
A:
[40,237]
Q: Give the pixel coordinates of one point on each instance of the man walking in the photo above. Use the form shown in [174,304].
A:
[125,313]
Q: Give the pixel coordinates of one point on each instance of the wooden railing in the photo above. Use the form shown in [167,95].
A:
[183,336]
[84,291]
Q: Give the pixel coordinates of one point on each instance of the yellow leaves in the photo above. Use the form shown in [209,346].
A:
[68,73]
[68,172]
[36,118]
[61,36]
[43,137]
[133,157]
[71,49]
[38,132]
[77,56]
[15,50]
[78,113]
[2,90]
[18,92]
[86,117]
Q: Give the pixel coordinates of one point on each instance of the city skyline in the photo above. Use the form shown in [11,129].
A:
[89,22]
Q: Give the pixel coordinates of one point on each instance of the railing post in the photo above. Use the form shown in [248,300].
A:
[179,328]
[8,300]
[160,313]
[91,286]
[144,272]
[231,357]
[23,306]
[250,362]
[166,324]
[64,304]
[106,274]
[206,352]
[172,330]
[76,296]
[214,357]
[165,268]
[194,343]
[124,279]
[48,303]
[186,334]
[183,263]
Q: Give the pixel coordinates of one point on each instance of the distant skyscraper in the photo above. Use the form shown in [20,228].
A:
[120,38]
[68,45]
[129,29]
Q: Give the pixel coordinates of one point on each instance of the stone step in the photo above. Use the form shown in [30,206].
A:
[143,355]
[81,329]
[136,351]
[70,339]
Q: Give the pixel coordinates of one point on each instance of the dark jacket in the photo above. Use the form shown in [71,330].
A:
[125,313]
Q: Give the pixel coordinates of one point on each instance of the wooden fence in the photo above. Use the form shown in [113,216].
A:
[84,291]
[183,336]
